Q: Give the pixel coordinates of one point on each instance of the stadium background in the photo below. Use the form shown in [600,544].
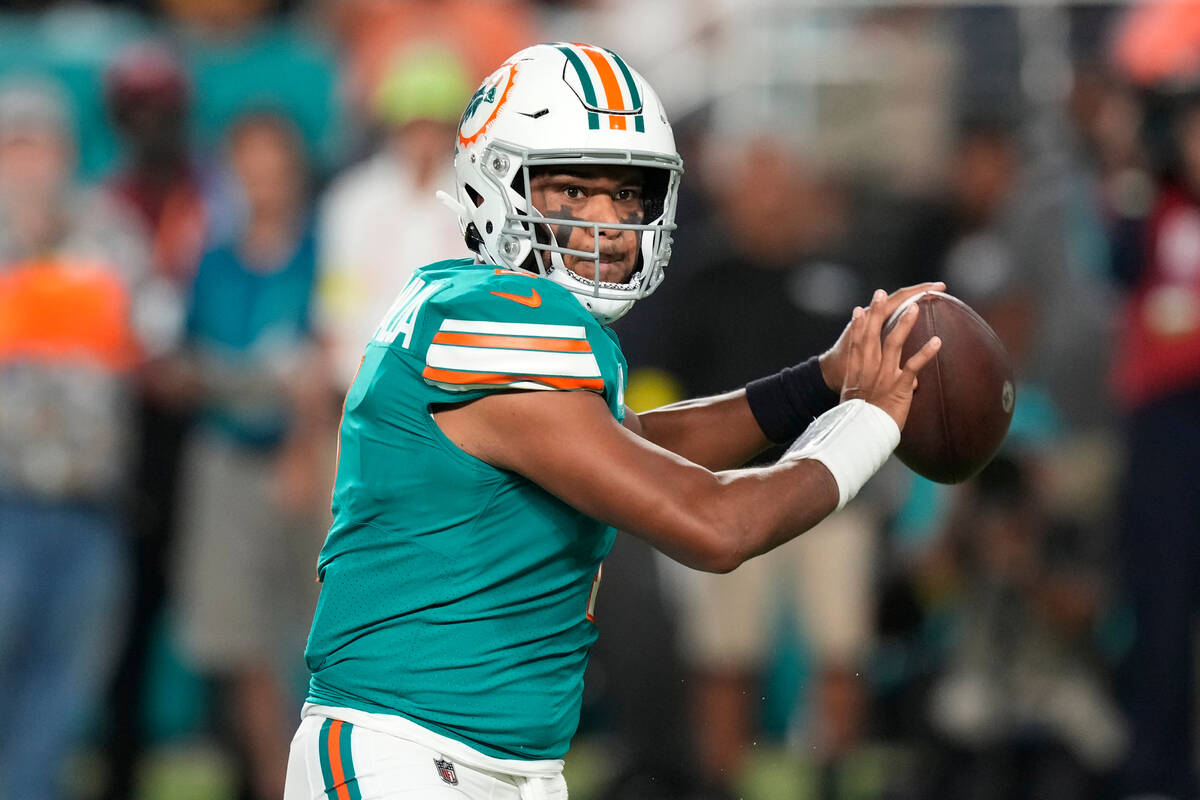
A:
[975,641]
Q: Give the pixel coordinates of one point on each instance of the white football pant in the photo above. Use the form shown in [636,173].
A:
[349,757]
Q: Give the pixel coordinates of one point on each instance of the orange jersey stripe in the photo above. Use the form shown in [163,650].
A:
[335,760]
[513,342]
[65,312]
[490,379]
[612,88]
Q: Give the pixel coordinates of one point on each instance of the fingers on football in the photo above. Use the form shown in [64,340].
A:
[899,335]
[919,359]
[875,317]
[854,360]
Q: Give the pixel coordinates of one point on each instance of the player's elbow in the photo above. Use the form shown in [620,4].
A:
[717,548]
[723,562]
[706,528]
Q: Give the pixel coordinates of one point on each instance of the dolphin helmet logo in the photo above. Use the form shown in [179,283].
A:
[485,104]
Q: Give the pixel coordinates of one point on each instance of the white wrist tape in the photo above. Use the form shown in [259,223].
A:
[852,440]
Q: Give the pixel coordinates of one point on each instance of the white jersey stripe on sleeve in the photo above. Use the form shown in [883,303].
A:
[514,328]
[515,362]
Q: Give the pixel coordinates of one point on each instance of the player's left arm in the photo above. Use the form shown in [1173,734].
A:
[723,431]
[716,432]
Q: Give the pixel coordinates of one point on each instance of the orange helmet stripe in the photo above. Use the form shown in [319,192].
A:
[612,89]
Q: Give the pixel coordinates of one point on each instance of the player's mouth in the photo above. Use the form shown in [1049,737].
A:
[613,268]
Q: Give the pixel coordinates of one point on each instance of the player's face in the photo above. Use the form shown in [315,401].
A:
[593,193]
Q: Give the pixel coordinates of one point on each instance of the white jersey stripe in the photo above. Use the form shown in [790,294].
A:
[514,328]
[471,387]
[512,362]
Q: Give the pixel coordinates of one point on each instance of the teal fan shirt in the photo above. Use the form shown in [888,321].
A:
[456,594]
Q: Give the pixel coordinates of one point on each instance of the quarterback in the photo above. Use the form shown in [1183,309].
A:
[486,458]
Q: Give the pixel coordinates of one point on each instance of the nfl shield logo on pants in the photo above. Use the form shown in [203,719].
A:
[446,770]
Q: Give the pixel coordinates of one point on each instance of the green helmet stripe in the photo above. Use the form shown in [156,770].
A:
[639,121]
[585,80]
[633,92]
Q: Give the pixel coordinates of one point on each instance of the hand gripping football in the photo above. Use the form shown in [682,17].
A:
[965,396]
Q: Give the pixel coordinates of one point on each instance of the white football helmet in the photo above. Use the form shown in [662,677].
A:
[555,104]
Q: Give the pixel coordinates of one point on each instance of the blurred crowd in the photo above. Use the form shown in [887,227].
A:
[207,205]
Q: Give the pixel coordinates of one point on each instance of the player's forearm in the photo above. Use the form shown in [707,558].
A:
[715,432]
[716,521]
[775,504]
[728,430]
[750,511]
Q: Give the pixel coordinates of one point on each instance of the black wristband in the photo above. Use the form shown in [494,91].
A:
[785,403]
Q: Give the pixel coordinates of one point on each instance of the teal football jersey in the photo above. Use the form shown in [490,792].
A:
[454,593]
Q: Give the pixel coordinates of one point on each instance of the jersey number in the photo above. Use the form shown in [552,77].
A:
[402,316]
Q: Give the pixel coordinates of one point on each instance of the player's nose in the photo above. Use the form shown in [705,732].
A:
[602,208]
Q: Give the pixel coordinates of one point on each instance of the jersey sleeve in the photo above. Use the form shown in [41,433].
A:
[512,331]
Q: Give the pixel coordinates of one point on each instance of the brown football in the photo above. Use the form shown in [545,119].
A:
[965,396]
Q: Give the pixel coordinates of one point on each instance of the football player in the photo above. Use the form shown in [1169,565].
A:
[486,458]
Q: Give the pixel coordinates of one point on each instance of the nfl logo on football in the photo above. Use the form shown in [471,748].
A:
[446,770]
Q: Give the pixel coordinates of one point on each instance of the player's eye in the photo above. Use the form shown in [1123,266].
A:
[573,192]
[628,195]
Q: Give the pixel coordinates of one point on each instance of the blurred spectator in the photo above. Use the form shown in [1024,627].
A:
[1156,43]
[241,57]
[483,33]
[967,237]
[1024,705]
[73,42]
[148,97]
[79,312]
[1157,381]
[977,238]
[777,279]
[147,94]
[999,243]
[255,471]
[218,19]
[381,219]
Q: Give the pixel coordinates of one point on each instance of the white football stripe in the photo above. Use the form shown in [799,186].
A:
[512,362]
[513,328]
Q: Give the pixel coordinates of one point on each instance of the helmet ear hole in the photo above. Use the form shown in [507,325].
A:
[518,183]
[521,213]
[475,196]
[489,227]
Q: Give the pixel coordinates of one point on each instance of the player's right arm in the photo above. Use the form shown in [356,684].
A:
[570,444]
